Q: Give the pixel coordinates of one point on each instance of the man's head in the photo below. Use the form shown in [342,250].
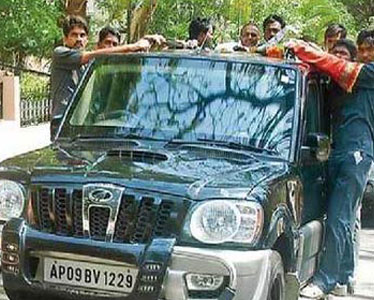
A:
[201,30]
[108,38]
[345,49]
[75,31]
[272,25]
[250,35]
[333,33]
[365,44]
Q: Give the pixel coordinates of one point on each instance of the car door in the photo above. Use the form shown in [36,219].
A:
[313,172]
[313,177]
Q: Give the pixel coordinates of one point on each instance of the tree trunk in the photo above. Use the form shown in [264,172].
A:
[76,7]
[141,16]
[129,14]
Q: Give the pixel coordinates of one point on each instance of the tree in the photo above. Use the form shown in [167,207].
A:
[140,18]
[172,17]
[313,16]
[310,16]
[28,28]
[130,16]
[76,7]
[362,10]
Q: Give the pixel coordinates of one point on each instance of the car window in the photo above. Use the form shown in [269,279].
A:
[313,109]
[190,99]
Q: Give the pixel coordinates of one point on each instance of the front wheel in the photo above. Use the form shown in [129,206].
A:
[277,282]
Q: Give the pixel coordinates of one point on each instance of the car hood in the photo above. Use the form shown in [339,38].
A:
[190,172]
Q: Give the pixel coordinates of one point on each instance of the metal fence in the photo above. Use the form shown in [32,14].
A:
[35,98]
[35,112]
[35,102]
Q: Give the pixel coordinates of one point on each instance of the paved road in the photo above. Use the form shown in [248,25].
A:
[365,287]
[20,140]
[365,280]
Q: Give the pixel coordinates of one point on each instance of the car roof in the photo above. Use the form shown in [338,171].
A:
[212,55]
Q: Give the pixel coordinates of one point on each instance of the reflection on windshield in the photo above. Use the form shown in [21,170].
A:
[190,99]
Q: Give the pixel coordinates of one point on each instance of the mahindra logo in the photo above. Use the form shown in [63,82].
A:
[100,195]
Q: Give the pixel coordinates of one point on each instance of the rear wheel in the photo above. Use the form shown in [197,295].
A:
[277,282]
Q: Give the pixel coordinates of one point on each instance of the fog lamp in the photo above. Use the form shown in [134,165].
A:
[203,282]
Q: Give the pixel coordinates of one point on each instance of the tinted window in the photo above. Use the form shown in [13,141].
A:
[190,99]
[313,109]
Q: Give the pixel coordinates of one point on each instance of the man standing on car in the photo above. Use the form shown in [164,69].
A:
[68,61]
[350,160]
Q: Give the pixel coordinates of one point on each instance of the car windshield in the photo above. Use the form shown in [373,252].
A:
[188,99]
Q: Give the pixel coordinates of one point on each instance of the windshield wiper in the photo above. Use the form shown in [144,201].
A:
[140,137]
[240,146]
[228,144]
[129,136]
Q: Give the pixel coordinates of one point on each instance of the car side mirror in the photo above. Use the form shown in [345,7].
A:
[316,148]
[55,124]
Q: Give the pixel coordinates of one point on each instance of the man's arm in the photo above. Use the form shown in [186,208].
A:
[343,72]
[143,44]
[67,58]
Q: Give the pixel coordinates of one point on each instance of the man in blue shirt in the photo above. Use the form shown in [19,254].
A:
[350,162]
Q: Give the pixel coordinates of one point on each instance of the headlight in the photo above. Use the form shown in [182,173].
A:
[220,221]
[12,199]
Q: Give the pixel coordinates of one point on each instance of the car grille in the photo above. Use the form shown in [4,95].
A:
[140,218]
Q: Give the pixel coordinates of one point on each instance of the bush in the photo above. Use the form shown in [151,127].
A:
[34,87]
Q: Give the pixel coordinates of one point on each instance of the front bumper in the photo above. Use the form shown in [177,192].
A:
[247,272]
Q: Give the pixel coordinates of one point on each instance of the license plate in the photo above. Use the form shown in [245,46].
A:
[90,275]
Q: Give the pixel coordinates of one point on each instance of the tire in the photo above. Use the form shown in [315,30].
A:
[277,281]
[367,210]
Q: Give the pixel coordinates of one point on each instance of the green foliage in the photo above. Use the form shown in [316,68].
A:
[115,9]
[310,16]
[28,28]
[313,16]
[362,10]
[34,87]
[115,12]
[172,17]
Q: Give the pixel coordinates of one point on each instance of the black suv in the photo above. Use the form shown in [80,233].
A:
[173,176]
